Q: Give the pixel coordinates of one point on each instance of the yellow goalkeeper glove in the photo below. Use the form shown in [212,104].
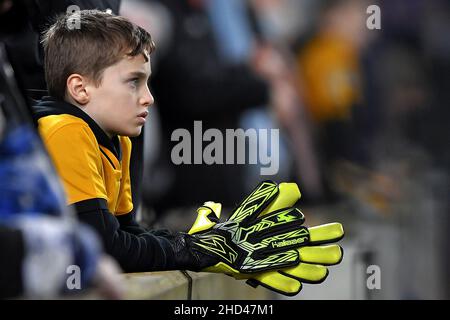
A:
[269,213]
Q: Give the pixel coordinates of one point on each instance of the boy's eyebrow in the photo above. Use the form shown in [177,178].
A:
[139,74]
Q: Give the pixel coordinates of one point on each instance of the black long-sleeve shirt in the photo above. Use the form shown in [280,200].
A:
[135,248]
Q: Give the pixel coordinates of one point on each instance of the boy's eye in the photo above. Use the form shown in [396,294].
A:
[134,82]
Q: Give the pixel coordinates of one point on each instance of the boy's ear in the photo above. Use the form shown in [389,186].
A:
[76,88]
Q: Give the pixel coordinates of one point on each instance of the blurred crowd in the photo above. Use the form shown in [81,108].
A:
[360,111]
[337,90]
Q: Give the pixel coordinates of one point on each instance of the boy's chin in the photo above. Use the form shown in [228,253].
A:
[136,133]
[131,133]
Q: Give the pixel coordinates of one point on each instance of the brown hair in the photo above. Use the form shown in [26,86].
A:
[87,42]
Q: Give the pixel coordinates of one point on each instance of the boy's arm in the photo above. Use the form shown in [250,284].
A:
[76,157]
[129,224]
[136,249]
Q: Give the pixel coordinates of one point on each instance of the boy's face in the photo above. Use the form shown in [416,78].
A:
[120,104]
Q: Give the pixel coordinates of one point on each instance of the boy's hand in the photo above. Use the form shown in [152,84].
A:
[264,241]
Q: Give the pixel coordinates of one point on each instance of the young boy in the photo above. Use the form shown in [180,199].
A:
[97,80]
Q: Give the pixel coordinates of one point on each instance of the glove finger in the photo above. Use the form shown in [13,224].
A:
[277,282]
[281,242]
[266,229]
[257,201]
[279,218]
[326,233]
[326,255]
[288,258]
[207,217]
[288,196]
[308,273]
[276,232]
[216,207]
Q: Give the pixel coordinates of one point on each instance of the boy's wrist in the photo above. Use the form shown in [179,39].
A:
[185,258]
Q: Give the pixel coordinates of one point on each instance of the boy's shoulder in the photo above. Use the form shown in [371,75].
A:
[55,116]
[64,124]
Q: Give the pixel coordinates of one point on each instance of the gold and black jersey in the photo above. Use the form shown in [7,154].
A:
[88,169]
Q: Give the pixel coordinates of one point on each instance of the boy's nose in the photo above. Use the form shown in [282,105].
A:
[147,99]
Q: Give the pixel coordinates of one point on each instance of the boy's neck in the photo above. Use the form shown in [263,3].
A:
[85,110]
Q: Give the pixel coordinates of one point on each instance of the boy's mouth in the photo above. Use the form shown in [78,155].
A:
[143,114]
